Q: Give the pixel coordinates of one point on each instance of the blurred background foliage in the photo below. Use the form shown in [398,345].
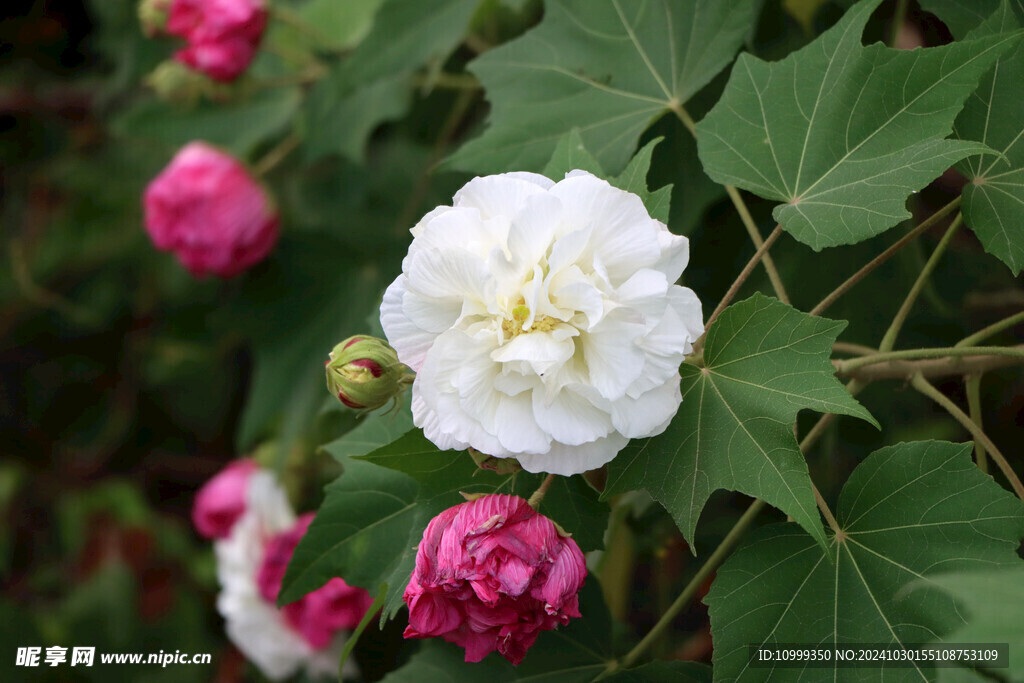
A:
[125,384]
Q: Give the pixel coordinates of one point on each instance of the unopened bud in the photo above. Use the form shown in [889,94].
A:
[499,465]
[175,82]
[365,373]
[153,16]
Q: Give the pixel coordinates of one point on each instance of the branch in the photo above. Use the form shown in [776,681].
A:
[972,383]
[745,273]
[925,225]
[993,329]
[945,366]
[922,385]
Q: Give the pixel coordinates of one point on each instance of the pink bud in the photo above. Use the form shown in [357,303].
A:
[317,616]
[222,500]
[491,574]
[208,210]
[222,35]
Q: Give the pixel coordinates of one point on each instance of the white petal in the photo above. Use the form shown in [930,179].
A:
[533,229]
[649,414]
[430,314]
[675,254]
[624,234]
[540,349]
[571,419]
[459,228]
[612,354]
[452,273]
[409,339]
[498,195]
[568,460]
[516,428]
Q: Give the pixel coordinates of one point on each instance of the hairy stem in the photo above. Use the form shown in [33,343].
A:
[741,209]
[848,366]
[853,349]
[541,491]
[350,644]
[973,385]
[899,16]
[991,330]
[923,386]
[889,340]
[925,225]
[744,274]
[826,511]
[932,367]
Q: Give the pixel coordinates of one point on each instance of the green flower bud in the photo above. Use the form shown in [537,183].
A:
[153,16]
[365,373]
[499,465]
[175,82]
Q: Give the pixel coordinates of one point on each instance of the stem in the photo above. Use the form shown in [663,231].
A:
[973,385]
[745,273]
[741,209]
[922,385]
[991,330]
[925,225]
[933,367]
[825,511]
[712,563]
[354,637]
[899,15]
[539,494]
[889,340]
[276,155]
[847,366]
[853,349]
[447,81]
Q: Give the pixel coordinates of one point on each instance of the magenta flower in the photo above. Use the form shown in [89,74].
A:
[317,616]
[491,574]
[222,500]
[222,35]
[208,210]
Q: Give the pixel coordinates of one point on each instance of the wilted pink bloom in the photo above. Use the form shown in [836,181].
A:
[208,210]
[317,615]
[491,574]
[222,35]
[222,500]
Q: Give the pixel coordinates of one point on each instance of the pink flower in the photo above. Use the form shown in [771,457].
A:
[208,210]
[222,500]
[317,616]
[222,35]
[491,574]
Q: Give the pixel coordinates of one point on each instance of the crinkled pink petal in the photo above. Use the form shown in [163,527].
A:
[222,500]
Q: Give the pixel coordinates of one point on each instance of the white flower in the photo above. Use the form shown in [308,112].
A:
[542,320]
[256,626]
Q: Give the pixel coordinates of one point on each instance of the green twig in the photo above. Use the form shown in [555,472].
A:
[925,225]
[761,252]
[538,495]
[276,155]
[899,16]
[849,365]
[354,637]
[922,385]
[991,330]
[889,340]
[973,385]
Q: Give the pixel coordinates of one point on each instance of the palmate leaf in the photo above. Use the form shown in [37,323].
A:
[960,16]
[993,202]
[907,513]
[607,67]
[763,362]
[374,514]
[842,133]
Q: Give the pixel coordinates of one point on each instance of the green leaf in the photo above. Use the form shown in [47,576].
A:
[665,672]
[993,202]
[994,603]
[609,68]
[842,133]
[339,122]
[238,126]
[372,84]
[571,154]
[342,24]
[373,431]
[764,361]
[908,513]
[570,501]
[574,653]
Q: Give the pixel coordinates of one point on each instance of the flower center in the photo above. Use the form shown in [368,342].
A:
[517,324]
